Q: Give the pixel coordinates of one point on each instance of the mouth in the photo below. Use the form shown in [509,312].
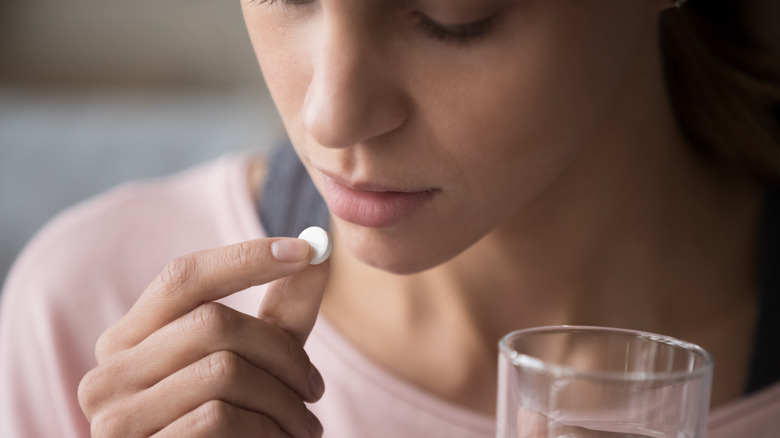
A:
[372,205]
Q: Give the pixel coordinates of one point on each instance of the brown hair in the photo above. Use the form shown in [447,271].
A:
[724,81]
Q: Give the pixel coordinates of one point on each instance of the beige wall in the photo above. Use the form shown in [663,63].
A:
[148,42]
[94,93]
[112,42]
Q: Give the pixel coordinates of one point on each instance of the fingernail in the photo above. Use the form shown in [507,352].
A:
[289,250]
[315,427]
[316,384]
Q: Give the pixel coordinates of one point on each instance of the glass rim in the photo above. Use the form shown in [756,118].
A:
[539,365]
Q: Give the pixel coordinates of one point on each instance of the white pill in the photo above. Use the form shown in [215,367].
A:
[320,241]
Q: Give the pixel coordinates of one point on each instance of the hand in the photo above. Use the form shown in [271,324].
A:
[178,364]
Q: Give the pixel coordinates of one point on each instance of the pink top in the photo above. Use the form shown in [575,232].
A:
[85,269]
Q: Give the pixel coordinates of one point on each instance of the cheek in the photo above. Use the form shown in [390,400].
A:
[536,100]
[283,55]
[501,122]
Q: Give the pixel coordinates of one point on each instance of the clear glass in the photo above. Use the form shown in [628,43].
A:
[595,382]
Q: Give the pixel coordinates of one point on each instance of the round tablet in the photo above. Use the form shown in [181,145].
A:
[320,242]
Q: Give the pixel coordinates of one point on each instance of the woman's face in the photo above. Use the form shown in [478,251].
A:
[427,124]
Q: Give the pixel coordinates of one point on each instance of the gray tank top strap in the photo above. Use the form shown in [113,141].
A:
[289,201]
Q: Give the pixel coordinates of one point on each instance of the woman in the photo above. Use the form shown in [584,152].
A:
[487,165]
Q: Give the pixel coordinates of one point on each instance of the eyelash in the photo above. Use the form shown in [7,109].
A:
[284,2]
[455,33]
[459,34]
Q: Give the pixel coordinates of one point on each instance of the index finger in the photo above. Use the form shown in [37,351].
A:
[201,277]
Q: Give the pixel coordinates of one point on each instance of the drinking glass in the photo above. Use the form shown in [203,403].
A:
[596,382]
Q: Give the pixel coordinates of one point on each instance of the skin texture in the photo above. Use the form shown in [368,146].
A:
[560,178]
[178,364]
[562,191]
[366,94]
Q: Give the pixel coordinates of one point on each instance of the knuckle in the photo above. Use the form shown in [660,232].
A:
[294,355]
[103,347]
[92,390]
[246,254]
[106,345]
[116,415]
[218,366]
[179,272]
[106,425]
[97,390]
[86,393]
[211,416]
[293,403]
[99,428]
[210,318]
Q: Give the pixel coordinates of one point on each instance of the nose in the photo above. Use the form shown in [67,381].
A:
[353,95]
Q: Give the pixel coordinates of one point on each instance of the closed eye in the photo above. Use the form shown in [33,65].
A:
[459,33]
[283,2]
[455,33]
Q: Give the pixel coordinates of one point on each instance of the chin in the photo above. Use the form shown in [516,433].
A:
[395,251]
[395,265]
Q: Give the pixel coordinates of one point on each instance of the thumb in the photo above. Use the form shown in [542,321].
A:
[292,303]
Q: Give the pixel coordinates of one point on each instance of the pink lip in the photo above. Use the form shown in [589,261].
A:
[371,205]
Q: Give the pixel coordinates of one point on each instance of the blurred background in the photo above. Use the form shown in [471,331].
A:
[97,92]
